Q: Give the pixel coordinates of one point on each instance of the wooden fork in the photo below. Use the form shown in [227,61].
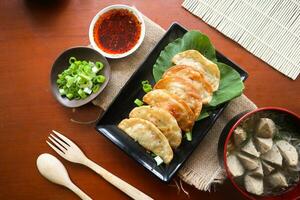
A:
[71,152]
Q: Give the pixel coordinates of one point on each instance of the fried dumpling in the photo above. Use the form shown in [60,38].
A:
[149,136]
[172,103]
[200,63]
[162,119]
[196,78]
[184,90]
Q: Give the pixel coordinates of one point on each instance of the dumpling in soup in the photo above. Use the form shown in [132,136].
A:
[162,119]
[172,103]
[258,171]
[273,156]
[234,165]
[248,162]
[254,185]
[196,78]
[266,128]
[267,168]
[289,152]
[197,61]
[149,136]
[250,149]
[239,136]
[277,180]
[184,90]
[264,144]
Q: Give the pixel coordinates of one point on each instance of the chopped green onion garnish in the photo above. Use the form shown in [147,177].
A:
[95,69]
[95,88]
[146,86]
[100,79]
[81,93]
[81,79]
[69,95]
[158,160]
[72,60]
[99,65]
[188,136]
[62,91]
[87,90]
[77,62]
[138,102]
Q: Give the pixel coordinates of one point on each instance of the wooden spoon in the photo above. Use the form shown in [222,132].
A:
[52,169]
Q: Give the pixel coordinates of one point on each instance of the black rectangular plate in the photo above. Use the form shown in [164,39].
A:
[123,104]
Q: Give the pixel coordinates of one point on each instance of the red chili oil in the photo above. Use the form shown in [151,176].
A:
[117,31]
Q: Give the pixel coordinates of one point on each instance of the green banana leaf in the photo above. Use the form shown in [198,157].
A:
[231,85]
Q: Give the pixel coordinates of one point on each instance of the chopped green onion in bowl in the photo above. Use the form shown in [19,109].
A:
[80,79]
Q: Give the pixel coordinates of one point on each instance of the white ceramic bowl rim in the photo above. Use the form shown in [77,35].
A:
[104,10]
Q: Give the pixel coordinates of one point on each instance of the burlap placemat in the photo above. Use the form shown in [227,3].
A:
[202,168]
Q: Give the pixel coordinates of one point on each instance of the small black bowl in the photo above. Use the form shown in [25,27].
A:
[62,63]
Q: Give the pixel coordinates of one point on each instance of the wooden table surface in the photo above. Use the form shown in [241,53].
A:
[32,34]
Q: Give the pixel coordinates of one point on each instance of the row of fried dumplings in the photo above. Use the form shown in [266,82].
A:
[174,104]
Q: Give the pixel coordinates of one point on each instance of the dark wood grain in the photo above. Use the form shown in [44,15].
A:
[32,34]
